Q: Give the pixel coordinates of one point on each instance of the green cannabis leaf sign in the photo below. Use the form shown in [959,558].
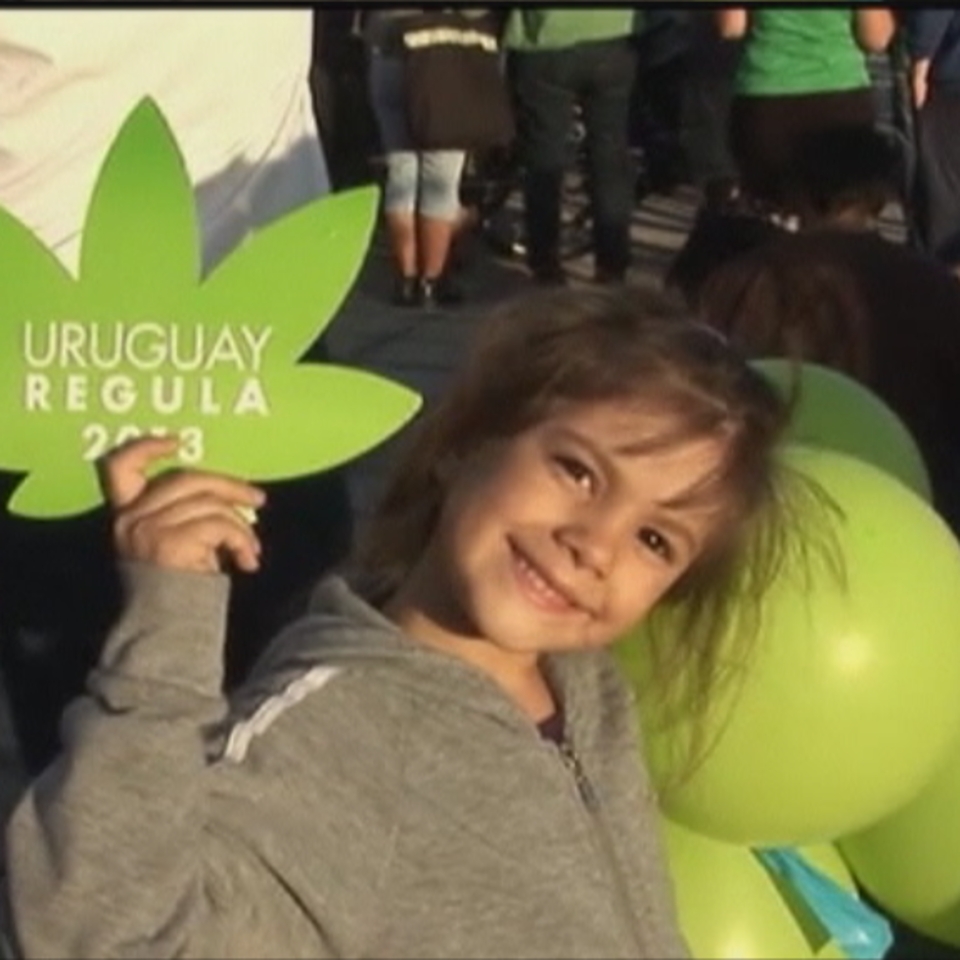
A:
[137,343]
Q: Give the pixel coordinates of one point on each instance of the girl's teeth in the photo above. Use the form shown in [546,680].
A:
[541,586]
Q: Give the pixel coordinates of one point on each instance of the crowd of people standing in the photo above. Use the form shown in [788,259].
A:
[728,99]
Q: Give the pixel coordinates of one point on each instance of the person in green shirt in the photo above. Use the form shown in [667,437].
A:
[802,71]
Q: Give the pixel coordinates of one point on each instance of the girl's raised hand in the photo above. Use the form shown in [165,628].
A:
[181,519]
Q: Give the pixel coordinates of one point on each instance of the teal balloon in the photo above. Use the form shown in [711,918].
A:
[849,704]
[835,411]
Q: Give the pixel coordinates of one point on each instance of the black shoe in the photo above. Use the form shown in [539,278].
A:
[439,292]
[406,292]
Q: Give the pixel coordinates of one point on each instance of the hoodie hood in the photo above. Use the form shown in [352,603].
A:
[341,629]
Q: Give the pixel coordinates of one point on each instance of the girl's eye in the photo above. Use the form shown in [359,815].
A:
[578,472]
[654,541]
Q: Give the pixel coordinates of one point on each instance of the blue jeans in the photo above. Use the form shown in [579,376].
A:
[423,181]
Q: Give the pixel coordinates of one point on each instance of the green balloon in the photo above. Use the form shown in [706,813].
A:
[729,907]
[910,861]
[835,411]
[849,704]
[831,951]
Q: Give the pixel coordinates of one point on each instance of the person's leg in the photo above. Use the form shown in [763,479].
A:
[704,133]
[937,195]
[608,72]
[399,204]
[438,219]
[544,102]
[759,128]
[665,164]
[905,134]
[711,64]
[400,189]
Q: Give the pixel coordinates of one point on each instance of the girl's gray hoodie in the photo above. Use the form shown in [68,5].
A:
[361,796]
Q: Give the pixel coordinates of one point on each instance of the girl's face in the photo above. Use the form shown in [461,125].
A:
[560,538]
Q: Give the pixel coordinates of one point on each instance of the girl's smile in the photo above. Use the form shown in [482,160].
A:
[561,537]
[545,591]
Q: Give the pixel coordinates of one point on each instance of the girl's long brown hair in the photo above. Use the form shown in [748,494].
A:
[558,347]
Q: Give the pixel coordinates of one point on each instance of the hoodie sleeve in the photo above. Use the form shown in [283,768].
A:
[113,851]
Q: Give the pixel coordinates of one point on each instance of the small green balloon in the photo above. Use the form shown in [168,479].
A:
[848,705]
[910,861]
[835,411]
[831,951]
[727,905]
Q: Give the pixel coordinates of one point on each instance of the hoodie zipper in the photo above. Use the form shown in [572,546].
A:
[591,804]
[584,788]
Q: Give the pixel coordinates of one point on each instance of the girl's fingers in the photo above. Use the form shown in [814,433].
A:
[123,471]
[176,486]
[189,534]
[207,544]
[182,519]
[124,476]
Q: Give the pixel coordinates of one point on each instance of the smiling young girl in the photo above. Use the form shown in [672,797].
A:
[440,759]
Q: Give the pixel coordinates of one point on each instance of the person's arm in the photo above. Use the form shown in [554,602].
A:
[114,851]
[873,28]
[919,81]
[925,30]
[732,22]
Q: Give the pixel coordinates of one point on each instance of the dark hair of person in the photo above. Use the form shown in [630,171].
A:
[848,171]
[781,301]
[717,236]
